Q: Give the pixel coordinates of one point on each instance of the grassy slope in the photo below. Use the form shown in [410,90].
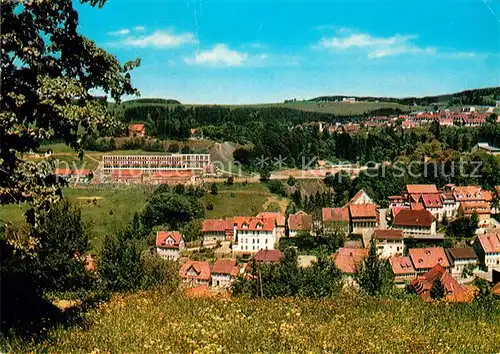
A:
[238,200]
[123,203]
[151,322]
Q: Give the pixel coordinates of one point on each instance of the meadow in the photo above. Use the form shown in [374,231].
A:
[103,210]
[155,322]
[241,199]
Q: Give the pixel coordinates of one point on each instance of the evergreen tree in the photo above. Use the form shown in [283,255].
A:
[214,190]
[373,275]
[437,290]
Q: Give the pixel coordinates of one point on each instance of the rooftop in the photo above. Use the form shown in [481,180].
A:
[428,257]
[408,217]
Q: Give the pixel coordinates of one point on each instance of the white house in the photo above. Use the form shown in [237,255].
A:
[389,242]
[450,205]
[169,244]
[254,234]
[224,272]
[415,223]
[460,258]
[488,250]
[433,204]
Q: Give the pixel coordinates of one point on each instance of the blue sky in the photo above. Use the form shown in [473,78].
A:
[202,51]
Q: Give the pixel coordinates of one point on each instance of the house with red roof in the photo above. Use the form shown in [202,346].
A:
[224,272]
[364,218]
[74,175]
[217,230]
[264,257]
[254,234]
[482,209]
[128,176]
[360,198]
[433,204]
[279,221]
[402,268]
[424,259]
[397,201]
[137,130]
[416,223]
[169,244]
[389,242]
[195,273]
[454,292]
[299,222]
[487,248]
[450,205]
[348,260]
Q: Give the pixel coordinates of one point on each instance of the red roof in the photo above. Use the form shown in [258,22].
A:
[413,218]
[268,256]
[432,201]
[396,210]
[162,238]
[198,291]
[472,193]
[75,172]
[300,221]
[416,206]
[454,291]
[335,214]
[470,208]
[195,270]
[428,257]
[176,173]
[127,173]
[401,265]
[388,234]
[216,225]
[348,259]
[253,223]
[363,210]
[226,266]
[278,218]
[421,189]
[136,127]
[490,242]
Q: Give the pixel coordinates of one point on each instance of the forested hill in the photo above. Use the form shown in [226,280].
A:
[482,96]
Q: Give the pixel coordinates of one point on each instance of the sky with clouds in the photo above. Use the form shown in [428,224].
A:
[206,51]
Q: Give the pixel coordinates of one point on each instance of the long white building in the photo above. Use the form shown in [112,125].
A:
[156,163]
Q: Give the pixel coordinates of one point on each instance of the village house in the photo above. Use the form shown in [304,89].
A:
[424,259]
[335,217]
[454,292]
[348,260]
[485,147]
[467,209]
[279,221]
[487,248]
[137,130]
[217,230]
[460,259]
[264,257]
[389,242]
[127,176]
[360,198]
[432,203]
[224,272]
[195,134]
[169,244]
[195,273]
[402,268]
[364,218]
[416,223]
[74,175]
[397,201]
[450,205]
[300,222]
[254,234]
[415,191]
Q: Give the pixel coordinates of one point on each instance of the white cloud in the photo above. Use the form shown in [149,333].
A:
[139,28]
[122,32]
[160,39]
[219,55]
[375,47]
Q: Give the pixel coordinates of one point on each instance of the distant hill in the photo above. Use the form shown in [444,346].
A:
[152,101]
[482,96]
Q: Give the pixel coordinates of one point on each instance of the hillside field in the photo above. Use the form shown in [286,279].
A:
[154,322]
[103,210]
